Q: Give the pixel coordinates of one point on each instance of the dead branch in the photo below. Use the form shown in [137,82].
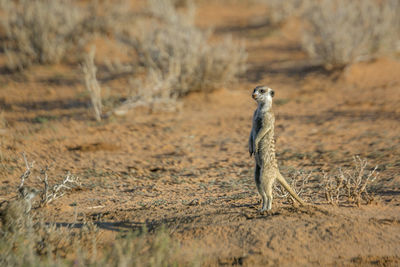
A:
[350,185]
[27,173]
[50,194]
[92,85]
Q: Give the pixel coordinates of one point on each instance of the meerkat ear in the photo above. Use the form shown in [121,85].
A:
[22,190]
[272,93]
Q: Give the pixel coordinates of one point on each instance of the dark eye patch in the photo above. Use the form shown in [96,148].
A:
[262,91]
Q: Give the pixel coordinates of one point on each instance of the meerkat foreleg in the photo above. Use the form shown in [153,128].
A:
[251,145]
[263,131]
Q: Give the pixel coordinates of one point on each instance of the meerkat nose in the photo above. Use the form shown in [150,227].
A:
[253,95]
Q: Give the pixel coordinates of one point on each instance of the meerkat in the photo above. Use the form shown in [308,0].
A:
[15,215]
[262,146]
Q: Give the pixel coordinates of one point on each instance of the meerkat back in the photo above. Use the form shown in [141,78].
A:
[16,214]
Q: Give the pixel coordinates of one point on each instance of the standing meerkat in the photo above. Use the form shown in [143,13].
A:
[262,145]
[16,213]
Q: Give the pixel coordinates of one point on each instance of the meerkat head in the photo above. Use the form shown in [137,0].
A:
[263,95]
[28,193]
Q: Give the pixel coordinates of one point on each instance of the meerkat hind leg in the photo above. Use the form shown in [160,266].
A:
[268,181]
[260,187]
[264,186]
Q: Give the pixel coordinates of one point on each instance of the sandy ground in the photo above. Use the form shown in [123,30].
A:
[190,169]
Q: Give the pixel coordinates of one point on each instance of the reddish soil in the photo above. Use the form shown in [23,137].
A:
[190,169]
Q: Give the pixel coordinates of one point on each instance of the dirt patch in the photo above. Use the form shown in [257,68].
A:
[93,147]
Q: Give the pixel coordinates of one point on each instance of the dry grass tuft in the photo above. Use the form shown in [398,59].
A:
[340,32]
[89,71]
[47,244]
[137,249]
[350,186]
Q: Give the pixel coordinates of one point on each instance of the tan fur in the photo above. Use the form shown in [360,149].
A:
[262,145]
[15,215]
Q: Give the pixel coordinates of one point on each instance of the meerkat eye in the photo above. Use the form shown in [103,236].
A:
[262,91]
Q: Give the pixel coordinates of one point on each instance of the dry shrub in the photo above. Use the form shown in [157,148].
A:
[47,31]
[299,181]
[178,58]
[350,186]
[49,193]
[92,85]
[40,31]
[340,32]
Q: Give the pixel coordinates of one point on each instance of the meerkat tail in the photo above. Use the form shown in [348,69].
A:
[283,182]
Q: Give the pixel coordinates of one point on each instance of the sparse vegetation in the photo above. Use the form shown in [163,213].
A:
[144,250]
[350,186]
[25,239]
[77,244]
[340,32]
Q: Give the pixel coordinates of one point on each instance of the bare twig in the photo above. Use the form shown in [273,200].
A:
[298,181]
[27,173]
[50,194]
[350,185]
